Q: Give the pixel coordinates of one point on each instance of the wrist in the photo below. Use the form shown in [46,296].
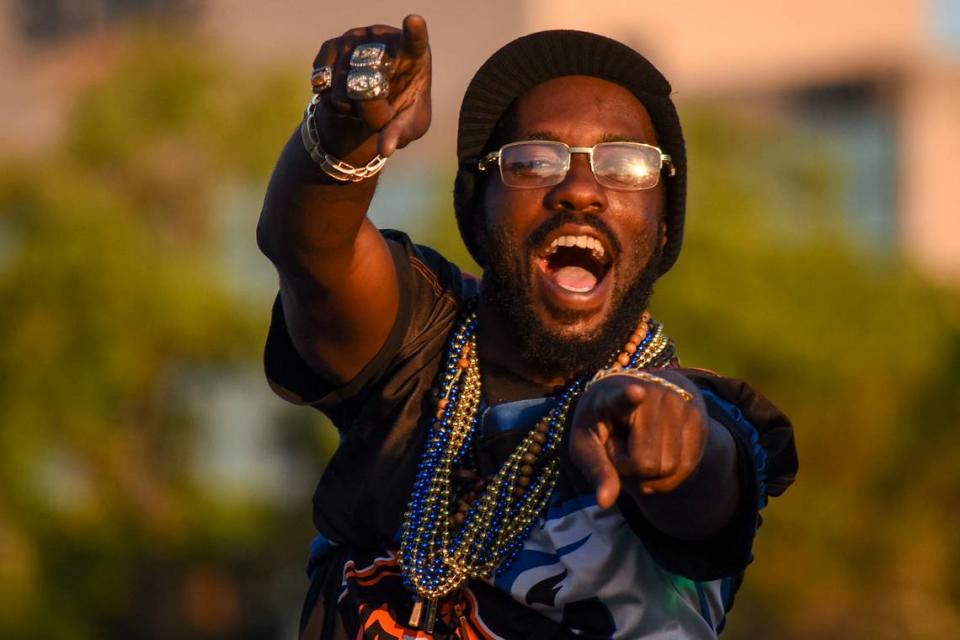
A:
[682,387]
[345,137]
[339,169]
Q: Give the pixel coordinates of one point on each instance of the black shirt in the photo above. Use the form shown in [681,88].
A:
[363,493]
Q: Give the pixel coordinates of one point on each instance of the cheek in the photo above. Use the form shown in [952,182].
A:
[639,225]
[484,217]
[641,217]
[503,214]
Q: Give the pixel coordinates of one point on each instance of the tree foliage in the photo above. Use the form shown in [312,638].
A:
[112,300]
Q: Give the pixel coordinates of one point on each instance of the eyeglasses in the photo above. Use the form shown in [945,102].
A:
[626,166]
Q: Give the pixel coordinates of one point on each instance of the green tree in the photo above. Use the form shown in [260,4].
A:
[113,302]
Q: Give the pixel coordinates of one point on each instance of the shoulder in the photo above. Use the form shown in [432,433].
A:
[429,267]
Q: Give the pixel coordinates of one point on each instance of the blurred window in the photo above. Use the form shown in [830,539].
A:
[944,22]
[47,21]
[857,122]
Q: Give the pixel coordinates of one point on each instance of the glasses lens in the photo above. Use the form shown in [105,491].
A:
[533,164]
[625,165]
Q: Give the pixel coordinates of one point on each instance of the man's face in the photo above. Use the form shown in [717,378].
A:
[573,305]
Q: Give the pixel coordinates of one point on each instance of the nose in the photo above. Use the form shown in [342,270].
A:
[579,191]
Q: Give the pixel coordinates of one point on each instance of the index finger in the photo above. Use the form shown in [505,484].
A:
[588,452]
[415,41]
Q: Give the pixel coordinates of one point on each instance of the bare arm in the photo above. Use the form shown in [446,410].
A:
[338,287]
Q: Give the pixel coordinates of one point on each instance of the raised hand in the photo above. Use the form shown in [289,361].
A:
[398,118]
[637,436]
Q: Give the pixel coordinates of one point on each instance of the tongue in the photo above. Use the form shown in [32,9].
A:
[575,279]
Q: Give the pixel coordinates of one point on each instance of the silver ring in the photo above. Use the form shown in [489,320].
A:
[370,54]
[322,79]
[366,84]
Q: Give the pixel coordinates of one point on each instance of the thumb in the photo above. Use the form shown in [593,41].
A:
[588,452]
[415,39]
[396,133]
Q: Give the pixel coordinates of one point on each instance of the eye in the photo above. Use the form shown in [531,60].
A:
[626,166]
[533,166]
[627,171]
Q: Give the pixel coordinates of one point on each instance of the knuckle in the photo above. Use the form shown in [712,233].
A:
[648,464]
[668,463]
[637,419]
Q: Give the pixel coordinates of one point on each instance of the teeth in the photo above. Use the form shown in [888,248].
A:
[584,242]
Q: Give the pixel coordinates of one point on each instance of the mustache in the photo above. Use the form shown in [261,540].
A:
[539,235]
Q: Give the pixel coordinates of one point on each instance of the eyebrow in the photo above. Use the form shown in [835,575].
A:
[607,137]
[542,135]
[612,137]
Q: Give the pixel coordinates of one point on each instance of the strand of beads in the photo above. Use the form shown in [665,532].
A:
[438,553]
[635,344]
[504,514]
[656,352]
[533,490]
[647,346]
[449,432]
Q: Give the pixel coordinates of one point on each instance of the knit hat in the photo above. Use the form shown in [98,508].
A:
[533,59]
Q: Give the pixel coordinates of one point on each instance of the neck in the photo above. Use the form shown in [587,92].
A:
[498,345]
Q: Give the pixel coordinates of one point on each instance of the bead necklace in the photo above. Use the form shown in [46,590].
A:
[439,552]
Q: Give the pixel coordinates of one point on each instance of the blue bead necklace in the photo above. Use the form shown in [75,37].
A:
[439,552]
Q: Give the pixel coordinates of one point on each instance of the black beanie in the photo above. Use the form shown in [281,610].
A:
[533,59]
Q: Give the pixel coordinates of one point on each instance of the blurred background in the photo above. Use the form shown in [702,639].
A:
[152,486]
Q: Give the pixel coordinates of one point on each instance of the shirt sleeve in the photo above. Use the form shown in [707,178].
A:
[430,289]
[766,466]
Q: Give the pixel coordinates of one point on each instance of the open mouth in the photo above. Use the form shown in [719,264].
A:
[576,263]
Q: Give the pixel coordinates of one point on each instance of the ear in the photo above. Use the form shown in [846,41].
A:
[663,234]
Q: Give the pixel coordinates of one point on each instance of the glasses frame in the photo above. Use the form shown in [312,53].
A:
[666,162]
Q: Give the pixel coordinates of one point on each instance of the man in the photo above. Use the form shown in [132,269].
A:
[520,457]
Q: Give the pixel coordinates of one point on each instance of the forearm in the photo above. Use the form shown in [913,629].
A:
[337,282]
[705,502]
[309,221]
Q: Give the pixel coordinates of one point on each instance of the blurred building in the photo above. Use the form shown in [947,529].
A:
[881,85]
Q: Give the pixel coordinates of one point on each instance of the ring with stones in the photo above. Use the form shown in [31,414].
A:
[321,79]
[366,84]
[368,55]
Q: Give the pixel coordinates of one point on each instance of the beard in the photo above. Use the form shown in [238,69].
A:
[507,286]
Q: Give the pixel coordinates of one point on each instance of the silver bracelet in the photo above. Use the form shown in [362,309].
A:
[333,167]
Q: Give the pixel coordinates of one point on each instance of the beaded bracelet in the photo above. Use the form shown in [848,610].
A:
[641,375]
[333,167]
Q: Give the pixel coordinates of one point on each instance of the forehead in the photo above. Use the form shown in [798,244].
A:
[581,110]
